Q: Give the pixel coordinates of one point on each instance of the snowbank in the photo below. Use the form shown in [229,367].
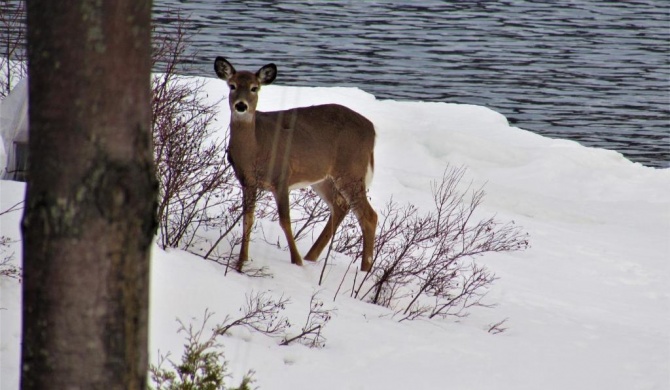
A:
[13,125]
[588,304]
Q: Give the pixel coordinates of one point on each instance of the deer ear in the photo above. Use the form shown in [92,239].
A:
[267,74]
[223,68]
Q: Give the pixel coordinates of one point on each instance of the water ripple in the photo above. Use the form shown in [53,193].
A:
[593,71]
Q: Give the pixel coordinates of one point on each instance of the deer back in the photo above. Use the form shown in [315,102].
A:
[305,145]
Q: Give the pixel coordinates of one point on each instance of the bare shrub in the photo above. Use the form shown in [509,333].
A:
[197,184]
[261,314]
[13,65]
[424,262]
[498,327]
[311,333]
[7,268]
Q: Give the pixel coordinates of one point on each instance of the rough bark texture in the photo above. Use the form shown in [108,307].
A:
[91,196]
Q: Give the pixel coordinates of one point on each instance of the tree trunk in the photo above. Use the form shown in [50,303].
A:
[91,195]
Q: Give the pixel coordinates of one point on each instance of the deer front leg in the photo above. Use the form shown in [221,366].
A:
[248,207]
[283,209]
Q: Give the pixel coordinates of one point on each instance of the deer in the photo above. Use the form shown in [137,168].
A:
[328,147]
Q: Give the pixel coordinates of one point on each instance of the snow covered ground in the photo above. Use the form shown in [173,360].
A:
[588,304]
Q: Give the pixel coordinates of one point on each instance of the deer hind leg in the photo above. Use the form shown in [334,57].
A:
[249,195]
[339,207]
[366,215]
[283,209]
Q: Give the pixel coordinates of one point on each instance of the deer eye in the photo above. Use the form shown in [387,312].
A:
[254,89]
[232,87]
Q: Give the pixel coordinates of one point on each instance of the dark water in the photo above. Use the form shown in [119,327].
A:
[597,72]
[593,71]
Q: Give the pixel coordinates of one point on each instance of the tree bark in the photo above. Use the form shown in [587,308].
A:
[91,195]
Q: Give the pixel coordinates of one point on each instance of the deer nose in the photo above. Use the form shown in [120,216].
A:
[241,107]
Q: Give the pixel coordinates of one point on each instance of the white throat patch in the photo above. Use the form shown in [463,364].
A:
[242,116]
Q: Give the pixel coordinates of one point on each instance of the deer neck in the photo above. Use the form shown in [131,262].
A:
[243,145]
